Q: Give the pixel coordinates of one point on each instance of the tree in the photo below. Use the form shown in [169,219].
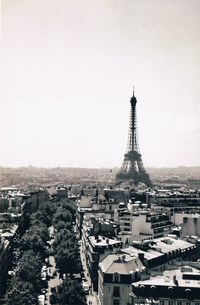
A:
[48,208]
[65,234]
[70,292]
[40,217]
[35,239]
[66,256]
[62,215]
[61,225]
[20,293]
[70,206]
[30,265]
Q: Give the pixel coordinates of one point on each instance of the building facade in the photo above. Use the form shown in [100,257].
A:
[117,272]
[176,287]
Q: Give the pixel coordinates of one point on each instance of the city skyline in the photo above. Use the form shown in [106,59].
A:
[68,73]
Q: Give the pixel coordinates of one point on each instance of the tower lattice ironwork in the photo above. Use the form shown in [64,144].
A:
[132,168]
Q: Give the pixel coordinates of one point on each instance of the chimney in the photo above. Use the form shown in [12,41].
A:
[141,257]
[175,280]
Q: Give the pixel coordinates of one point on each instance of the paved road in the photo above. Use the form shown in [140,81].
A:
[92,296]
[54,281]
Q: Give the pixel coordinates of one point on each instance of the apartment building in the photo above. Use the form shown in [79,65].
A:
[174,287]
[141,222]
[117,272]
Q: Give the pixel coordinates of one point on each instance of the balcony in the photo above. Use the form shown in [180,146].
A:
[162,224]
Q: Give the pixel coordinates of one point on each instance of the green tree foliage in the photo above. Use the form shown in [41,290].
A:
[35,239]
[61,225]
[48,208]
[41,230]
[65,235]
[20,293]
[70,292]
[26,284]
[30,265]
[39,217]
[66,257]
[63,215]
[66,252]
[70,206]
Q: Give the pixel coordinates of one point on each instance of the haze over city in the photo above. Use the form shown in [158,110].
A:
[69,68]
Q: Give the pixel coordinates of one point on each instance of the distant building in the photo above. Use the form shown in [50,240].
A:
[62,193]
[89,205]
[190,225]
[141,222]
[175,198]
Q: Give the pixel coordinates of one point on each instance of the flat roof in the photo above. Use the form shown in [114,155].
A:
[168,244]
[160,246]
[167,279]
[103,241]
[150,254]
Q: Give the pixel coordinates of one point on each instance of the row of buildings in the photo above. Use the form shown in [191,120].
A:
[15,208]
[140,252]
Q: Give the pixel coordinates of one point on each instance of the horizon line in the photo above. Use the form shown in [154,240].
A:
[102,167]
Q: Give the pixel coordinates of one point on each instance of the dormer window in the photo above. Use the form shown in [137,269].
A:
[116,277]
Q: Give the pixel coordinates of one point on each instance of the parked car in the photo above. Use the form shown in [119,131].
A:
[41,299]
[85,287]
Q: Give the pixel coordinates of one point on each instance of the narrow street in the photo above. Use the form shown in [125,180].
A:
[54,280]
[92,296]
[52,273]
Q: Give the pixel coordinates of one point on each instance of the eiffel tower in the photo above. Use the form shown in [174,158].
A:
[132,169]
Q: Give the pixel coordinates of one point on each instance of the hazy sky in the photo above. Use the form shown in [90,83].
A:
[68,71]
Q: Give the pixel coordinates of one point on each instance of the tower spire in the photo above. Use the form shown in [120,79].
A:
[132,168]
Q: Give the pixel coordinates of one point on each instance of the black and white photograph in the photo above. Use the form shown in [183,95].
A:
[100,152]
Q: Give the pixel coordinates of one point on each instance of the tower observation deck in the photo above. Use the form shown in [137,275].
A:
[132,169]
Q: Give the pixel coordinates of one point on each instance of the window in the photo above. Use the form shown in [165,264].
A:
[170,302]
[116,302]
[116,291]
[187,303]
[179,303]
[116,278]
[161,302]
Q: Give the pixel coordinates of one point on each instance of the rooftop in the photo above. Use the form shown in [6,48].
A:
[150,254]
[185,277]
[103,241]
[159,246]
[168,244]
[119,263]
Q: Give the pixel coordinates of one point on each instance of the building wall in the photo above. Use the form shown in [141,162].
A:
[132,223]
[4,250]
[4,204]
[106,291]
[108,298]
[163,301]
[191,225]
[168,294]
[141,226]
